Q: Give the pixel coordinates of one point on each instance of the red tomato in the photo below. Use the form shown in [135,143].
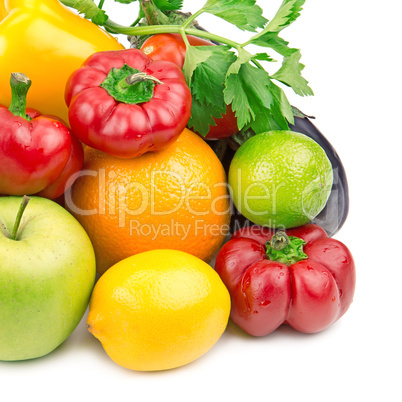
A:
[171,47]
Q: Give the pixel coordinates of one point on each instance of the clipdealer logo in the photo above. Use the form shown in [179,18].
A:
[113,196]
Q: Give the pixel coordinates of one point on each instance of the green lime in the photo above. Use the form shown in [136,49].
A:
[280,179]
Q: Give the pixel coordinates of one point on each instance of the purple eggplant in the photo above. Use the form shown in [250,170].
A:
[334,215]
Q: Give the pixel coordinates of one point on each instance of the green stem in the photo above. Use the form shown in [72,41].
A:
[152,13]
[257,64]
[68,3]
[185,39]
[136,21]
[23,205]
[100,5]
[158,29]
[192,18]
[20,85]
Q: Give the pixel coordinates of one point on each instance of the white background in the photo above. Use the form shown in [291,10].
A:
[351,51]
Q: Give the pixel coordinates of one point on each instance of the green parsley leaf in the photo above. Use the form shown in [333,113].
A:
[195,55]
[245,14]
[273,41]
[167,5]
[262,57]
[290,75]
[287,13]
[202,117]
[208,79]
[257,102]
[248,93]
[205,68]
[90,11]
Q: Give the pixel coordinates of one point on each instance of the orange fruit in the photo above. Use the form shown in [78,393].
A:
[176,198]
[158,310]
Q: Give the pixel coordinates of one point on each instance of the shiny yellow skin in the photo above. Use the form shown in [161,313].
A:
[46,41]
[3,11]
[158,310]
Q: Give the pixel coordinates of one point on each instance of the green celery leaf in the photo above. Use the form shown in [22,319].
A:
[287,13]
[290,75]
[245,14]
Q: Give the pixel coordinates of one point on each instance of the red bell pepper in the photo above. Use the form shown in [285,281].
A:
[300,277]
[124,104]
[37,152]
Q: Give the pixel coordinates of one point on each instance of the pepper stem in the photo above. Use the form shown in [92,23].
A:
[285,249]
[141,77]
[279,241]
[23,205]
[129,85]
[20,85]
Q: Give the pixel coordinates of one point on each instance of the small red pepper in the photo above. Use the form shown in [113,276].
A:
[37,152]
[300,277]
[124,104]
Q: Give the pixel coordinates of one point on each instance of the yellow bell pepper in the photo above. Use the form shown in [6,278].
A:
[46,41]
[3,11]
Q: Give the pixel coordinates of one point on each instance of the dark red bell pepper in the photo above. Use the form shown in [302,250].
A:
[300,277]
[124,104]
[36,151]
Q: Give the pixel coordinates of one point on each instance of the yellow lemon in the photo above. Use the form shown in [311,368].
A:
[158,310]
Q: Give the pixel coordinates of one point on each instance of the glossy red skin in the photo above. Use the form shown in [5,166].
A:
[69,173]
[120,129]
[309,295]
[171,47]
[32,153]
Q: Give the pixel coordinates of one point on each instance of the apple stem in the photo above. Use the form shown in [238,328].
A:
[23,205]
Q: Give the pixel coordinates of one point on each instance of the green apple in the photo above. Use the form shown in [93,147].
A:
[47,273]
